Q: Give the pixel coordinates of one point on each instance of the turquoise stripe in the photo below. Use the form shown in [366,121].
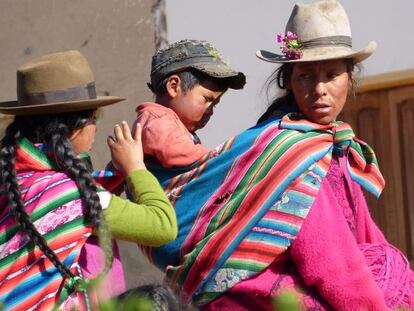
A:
[197,192]
[281,241]
[36,283]
[366,184]
[300,168]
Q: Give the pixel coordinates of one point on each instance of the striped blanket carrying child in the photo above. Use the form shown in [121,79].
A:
[244,203]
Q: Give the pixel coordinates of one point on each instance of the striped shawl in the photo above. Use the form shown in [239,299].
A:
[243,204]
[28,280]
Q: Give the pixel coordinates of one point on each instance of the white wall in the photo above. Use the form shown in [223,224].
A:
[239,27]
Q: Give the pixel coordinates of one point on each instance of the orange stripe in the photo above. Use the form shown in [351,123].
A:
[42,265]
[29,258]
[220,241]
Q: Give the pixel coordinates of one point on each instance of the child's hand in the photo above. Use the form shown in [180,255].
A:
[126,151]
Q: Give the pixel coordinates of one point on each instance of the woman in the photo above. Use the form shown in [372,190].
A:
[51,209]
[281,207]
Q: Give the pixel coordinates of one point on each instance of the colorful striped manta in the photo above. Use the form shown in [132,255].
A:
[243,204]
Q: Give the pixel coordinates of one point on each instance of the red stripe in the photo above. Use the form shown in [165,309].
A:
[219,242]
[34,298]
[61,241]
[42,265]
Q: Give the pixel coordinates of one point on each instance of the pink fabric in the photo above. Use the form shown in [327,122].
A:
[165,137]
[91,261]
[326,252]
[324,260]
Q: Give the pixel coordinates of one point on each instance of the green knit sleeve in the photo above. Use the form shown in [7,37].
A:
[149,220]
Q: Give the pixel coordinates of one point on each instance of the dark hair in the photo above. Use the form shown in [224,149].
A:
[189,79]
[53,131]
[286,103]
[161,296]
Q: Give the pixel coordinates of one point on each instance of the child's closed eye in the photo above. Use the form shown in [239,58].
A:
[208,99]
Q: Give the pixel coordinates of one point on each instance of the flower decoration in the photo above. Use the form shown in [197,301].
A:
[214,53]
[291,47]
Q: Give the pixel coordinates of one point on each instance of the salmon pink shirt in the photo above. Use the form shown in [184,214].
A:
[165,138]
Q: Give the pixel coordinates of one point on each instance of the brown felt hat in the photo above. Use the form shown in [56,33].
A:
[56,83]
[323,32]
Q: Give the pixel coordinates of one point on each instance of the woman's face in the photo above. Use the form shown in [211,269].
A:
[320,89]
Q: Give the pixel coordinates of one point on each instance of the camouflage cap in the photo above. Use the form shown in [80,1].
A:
[196,54]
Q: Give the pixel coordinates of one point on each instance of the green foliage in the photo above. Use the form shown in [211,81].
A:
[133,303]
[286,301]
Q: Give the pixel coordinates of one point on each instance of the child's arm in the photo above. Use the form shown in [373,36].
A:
[149,220]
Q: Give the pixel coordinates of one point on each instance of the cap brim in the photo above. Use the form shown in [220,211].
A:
[13,108]
[236,80]
[320,54]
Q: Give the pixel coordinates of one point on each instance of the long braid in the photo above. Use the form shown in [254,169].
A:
[70,163]
[7,158]
[58,143]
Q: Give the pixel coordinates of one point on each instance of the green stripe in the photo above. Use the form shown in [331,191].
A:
[41,211]
[190,258]
[205,297]
[245,264]
[239,194]
[266,161]
[50,236]
[36,153]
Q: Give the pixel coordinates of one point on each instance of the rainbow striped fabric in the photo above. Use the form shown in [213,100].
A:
[242,207]
[28,280]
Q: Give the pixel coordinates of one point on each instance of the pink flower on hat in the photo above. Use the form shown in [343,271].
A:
[290,45]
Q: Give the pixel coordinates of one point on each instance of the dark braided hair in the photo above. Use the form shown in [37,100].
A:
[54,132]
[189,79]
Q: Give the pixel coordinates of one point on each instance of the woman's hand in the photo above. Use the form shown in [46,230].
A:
[126,151]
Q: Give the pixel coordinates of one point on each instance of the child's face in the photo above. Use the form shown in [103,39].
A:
[195,107]
[82,139]
[320,89]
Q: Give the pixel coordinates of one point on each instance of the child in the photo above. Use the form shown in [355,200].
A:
[188,79]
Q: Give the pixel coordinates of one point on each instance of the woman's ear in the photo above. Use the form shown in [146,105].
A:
[351,82]
[351,86]
[173,86]
[75,134]
[287,82]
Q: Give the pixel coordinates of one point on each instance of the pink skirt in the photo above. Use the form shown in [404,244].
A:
[389,266]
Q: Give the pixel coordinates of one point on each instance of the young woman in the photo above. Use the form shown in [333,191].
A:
[281,207]
[56,221]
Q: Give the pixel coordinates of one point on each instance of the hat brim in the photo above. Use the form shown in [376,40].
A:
[13,108]
[321,53]
[236,80]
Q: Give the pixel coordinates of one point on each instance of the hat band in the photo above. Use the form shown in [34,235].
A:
[82,92]
[327,41]
[184,59]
